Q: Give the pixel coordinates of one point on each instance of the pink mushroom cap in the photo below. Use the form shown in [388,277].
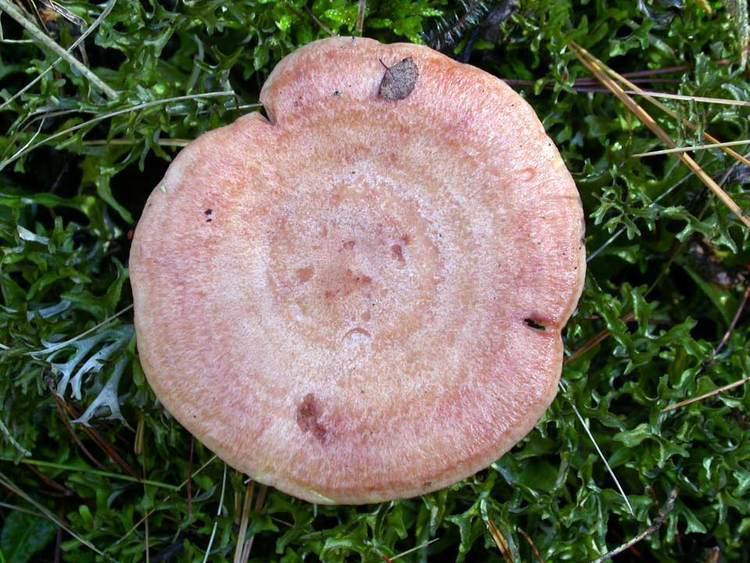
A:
[360,297]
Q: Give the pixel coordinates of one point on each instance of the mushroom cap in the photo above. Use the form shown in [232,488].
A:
[360,297]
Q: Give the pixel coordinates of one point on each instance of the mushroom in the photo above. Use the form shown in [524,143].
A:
[360,296]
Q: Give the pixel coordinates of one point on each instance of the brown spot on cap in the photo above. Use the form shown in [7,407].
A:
[308,417]
[398,253]
[305,274]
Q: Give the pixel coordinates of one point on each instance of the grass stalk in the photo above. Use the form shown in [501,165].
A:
[597,68]
[15,13]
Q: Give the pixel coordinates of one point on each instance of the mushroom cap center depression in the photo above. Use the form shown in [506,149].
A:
[371,256]
[354,264]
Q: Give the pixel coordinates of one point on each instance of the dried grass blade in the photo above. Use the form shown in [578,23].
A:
[500,541]
[604,459]
[534,548]
[708,395]
[733,324]
[635,88]
[218,515]
[163,501]
[597,68]
[658,521]
[692,148]
[595,341]
[413,549]
[686,98]
[260,498]
[123,111]
[244,520]
[8,484]
[105,12]
[361,10]
[16,14]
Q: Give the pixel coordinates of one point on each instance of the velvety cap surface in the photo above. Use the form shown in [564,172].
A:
[360,298]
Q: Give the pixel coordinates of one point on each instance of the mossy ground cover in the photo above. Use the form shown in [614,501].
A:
[662,319]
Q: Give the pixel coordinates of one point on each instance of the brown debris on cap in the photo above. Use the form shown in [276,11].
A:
[360,298]
[399,80]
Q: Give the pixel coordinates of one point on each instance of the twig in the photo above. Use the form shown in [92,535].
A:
[13,442]
[160,142]
[64,343]
[244,520]
[686,122]
[25,146]
[89,471]
[413,549]
[733,324]
[706,395]
[62,413]
[163,502]
[309,12]
[653,72]
[58,546]
[105,446]
[51,483]
[595,341]
[10,9]
[105,12]
[658,521]
[688,98]
[604,459]
[692,148]
[588,85]
[534,548]
[361,9]
[190,480]
[8,484]
[596,67]
[123,111]
[590,82]
[500,541]
[218,514]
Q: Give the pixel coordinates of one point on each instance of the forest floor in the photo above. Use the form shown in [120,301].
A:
[646,447]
